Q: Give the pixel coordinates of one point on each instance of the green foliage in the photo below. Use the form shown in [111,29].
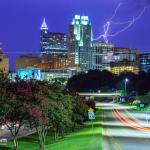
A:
[60,111]
[86,138]
[79,110]
[12,113]
[105,81]
[39,105]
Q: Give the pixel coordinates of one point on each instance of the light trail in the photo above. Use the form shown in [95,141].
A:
[110,22]
[129,123]
[133,118]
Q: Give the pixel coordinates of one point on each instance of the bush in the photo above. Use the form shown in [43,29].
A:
[136,102]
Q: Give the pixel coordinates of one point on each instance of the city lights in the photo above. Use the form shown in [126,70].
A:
[63,89]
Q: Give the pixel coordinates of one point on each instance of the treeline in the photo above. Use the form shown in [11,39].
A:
[39,105]
[105,81]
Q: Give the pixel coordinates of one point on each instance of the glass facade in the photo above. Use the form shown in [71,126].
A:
[80,39]
[52,43]
[102,55]
[145,62]
[115,59]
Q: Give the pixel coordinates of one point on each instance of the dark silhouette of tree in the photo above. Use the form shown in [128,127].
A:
[105,81]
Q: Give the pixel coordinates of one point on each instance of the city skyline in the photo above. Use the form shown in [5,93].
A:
[21,21]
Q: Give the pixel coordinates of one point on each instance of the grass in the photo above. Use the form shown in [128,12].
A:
[136,108]
[145,109]
[84,139]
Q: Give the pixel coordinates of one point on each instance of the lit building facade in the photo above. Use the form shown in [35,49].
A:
[52,43]
[145,62]
[29,73]
[102,55]
[124,66]
[4,62]
[60,62]
[125,60]
[80,41]
[25,61]
[129,54]
[115,59]
[43,74]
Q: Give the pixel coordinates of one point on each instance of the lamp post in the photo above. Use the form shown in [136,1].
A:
[125,84]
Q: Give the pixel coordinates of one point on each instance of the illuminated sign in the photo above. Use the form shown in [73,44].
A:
[29,73]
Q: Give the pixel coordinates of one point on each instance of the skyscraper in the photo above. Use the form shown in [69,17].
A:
[52,43]
[80,41]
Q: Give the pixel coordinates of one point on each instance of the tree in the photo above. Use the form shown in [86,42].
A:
[26,103]
[12,112]
[79,109]
[93,80]
[143,85]
[60,113]
[37,106]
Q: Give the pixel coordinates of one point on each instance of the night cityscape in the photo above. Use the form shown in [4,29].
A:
[74,75]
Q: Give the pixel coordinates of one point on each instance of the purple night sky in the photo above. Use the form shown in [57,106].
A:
[20,22]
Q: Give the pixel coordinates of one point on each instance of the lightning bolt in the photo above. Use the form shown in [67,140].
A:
[110,22]
[107,25]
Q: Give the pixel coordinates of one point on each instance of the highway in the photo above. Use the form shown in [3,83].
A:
[124,129]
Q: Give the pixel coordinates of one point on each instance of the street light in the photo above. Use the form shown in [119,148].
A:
[125,84]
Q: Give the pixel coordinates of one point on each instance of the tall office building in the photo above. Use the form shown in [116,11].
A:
[52,43]
[145,62]
[4,62]
[80,41]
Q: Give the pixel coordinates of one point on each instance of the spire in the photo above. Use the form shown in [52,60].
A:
[44,25]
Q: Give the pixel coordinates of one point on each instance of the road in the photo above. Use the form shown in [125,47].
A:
[5,133]
[124,129]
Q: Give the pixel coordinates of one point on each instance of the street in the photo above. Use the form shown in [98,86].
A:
[5,133]
[124,129]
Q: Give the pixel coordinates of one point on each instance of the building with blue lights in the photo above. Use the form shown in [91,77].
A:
[29,73]
[80,41]
[145,62]
[43,74]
